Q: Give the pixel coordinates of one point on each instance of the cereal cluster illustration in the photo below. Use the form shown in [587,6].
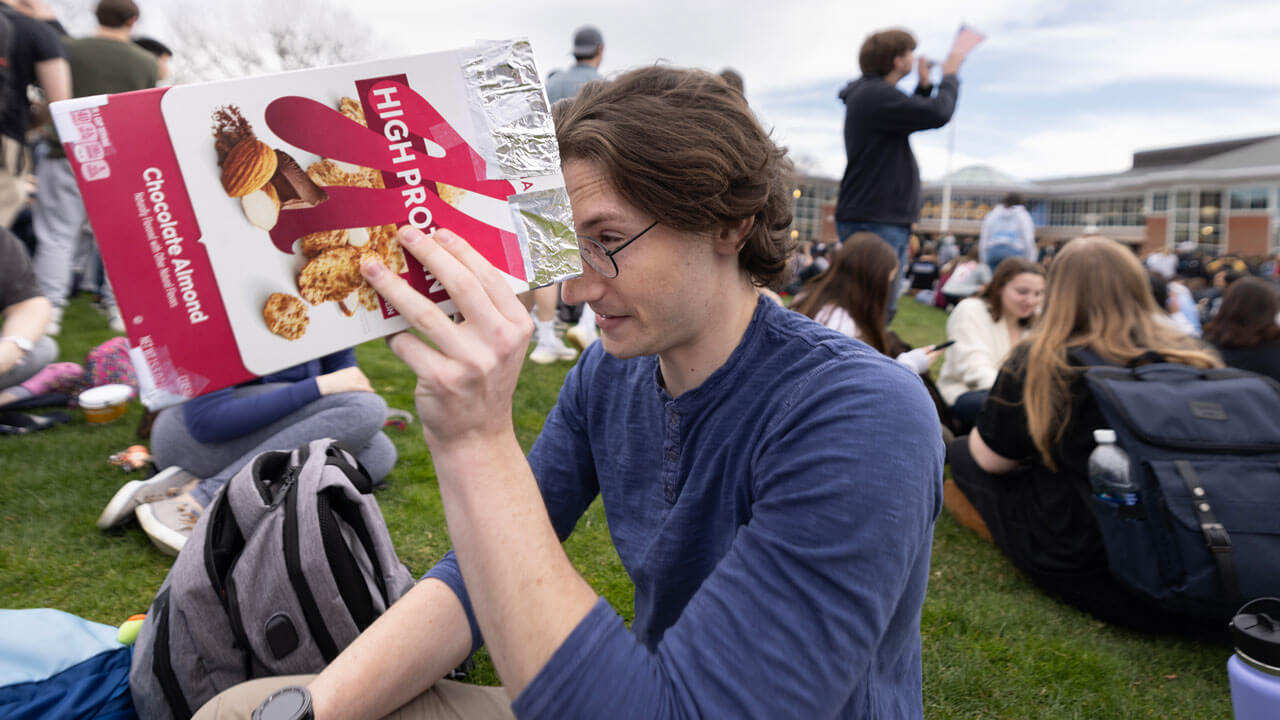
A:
[269,181]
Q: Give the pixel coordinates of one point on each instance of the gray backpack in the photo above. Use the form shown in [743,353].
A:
[289,564]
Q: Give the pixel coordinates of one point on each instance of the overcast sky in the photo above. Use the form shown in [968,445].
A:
[1059,88]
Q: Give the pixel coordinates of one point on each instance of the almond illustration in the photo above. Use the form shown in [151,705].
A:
[262,207]
[248,167]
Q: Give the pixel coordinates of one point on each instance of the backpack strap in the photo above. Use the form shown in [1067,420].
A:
[357,474]
[1215,536]
[1091,358]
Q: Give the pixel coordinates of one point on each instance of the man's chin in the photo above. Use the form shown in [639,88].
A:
[619,350]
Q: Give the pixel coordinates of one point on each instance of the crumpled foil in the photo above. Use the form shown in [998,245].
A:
[544,222]
[507,97]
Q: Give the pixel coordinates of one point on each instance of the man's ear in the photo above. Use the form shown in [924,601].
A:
[733,235]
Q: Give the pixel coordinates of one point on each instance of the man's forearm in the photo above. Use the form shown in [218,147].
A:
[415,643]
[526,595]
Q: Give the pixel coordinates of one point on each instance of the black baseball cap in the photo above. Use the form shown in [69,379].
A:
[586,41]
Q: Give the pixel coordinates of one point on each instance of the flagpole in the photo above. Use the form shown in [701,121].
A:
[946,179]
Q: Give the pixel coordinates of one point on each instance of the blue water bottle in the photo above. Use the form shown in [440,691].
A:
[1254,669]
[1109,470]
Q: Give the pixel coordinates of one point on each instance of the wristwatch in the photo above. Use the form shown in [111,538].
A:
[290,703]
[23,344]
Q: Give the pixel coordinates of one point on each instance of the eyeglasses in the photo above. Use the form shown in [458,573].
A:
[600,259]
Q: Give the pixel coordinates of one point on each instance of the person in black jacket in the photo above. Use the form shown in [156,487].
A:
[880,191]
[1246,329]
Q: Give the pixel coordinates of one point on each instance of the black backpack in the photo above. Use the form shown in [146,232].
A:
[289,564]
[1204,450]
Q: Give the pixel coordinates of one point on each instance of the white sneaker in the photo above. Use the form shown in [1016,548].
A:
[168,523]
[115,320]
[549,350]
[166,483]
[581,337]
[55,322]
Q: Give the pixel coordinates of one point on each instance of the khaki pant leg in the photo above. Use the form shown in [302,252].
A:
[446,700]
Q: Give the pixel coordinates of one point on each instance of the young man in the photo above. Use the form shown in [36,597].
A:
[880,190]
[770,485]
[106,62]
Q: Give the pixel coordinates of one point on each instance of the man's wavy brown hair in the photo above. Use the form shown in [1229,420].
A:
[684,147]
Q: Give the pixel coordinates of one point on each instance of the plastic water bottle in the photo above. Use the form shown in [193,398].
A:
[1109,470]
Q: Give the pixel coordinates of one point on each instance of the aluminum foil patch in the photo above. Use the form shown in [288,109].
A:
[544,222]
[507,98]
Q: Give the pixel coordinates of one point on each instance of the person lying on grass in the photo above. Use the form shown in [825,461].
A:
[770,485]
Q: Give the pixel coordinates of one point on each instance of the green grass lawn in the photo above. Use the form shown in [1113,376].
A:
[994,646]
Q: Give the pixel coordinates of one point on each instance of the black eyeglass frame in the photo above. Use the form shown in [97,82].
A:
[608,253]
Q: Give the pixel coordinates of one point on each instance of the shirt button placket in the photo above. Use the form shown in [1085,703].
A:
[671,454]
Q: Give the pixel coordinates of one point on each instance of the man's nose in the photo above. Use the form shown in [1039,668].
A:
[587,287]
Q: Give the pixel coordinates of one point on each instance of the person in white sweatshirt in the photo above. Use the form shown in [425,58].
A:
[985,327]
[1007,231]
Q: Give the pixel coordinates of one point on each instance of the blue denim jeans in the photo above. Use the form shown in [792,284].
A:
[898,237]
[997,255]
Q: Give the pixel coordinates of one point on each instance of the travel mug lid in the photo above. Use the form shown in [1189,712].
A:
[1255,629]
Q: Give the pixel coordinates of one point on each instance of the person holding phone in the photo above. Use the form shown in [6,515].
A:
[851,295]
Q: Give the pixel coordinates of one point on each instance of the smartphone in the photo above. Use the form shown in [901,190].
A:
[945,345]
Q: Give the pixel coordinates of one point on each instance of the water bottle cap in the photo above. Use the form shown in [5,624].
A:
[1104,435]
[1256,631]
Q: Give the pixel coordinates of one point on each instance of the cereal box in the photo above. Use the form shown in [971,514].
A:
[232,216]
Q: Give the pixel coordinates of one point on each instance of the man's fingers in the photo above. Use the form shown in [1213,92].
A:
[438,253]
[493,280]
[421,313]
[421,358]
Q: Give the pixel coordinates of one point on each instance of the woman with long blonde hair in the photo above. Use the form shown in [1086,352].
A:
[1021,476]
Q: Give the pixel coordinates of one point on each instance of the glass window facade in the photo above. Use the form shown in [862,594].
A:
[810,196]
[1252,198]
[1197,217]
[1122,211]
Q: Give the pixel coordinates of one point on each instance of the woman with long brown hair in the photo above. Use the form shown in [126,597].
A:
[1246,329]
[852,296]
[1024,468]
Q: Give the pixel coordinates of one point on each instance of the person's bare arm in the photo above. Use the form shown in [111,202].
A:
[987,458]
[415,643]
[526,595]
[54,78]
[27,320]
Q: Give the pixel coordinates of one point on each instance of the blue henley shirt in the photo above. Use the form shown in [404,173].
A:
[776,521]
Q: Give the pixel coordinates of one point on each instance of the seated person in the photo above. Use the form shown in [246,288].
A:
[852,296]
[923,271]
[1024,468]
[213,436]
[984,328]
[25,351]
[735,446]
[1167,304]
[966,279]
[1246,330]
